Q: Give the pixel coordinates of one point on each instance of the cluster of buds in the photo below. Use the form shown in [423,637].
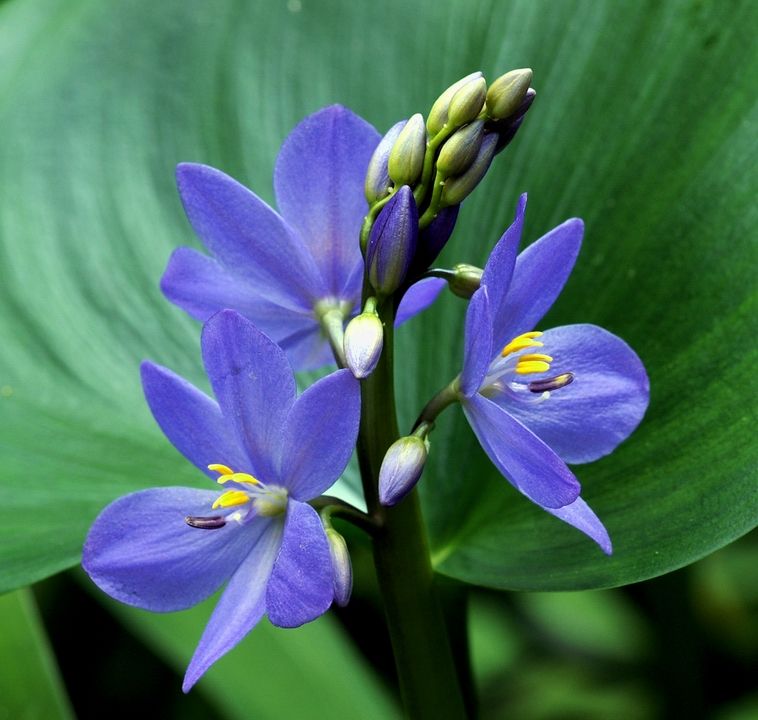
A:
[421,171]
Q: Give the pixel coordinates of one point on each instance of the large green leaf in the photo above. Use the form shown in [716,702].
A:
[642,127]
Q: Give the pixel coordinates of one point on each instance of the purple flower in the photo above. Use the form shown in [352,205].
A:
[284,271]
[537,400]
[169,548]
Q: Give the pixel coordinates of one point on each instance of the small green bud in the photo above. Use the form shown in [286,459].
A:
[460,151]
[466,280]
[457,189]
[407,156]
[467,103]
[364,338]
[438,115]
[401,468]
[507,92]
[343,568]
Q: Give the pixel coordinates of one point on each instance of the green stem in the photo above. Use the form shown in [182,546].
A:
[426,670]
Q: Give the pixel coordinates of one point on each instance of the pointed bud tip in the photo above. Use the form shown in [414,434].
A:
[342,567]
[406,159]
[506,94]
[363,342]
[401,469]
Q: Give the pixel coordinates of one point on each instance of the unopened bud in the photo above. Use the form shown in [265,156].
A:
[401,468]
[457,189]
[506,93]
[467,103]
[466,280]
[433,238]
[460,151]
[406,160]
[508,128]
[364,337]
[392,243]
[438,115]
[378,181]
[342,567]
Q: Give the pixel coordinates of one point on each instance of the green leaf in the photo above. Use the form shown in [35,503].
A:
[642,127]
[312,671]
[30,686]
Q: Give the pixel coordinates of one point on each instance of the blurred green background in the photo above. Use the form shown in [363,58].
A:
[644,126]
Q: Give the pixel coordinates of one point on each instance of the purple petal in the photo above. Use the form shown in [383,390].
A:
[246,235]
[601,407]
[307,348]
[190,420]
[243,603]
[301,585]
[477,347]
[499,268]
[141,551]
[539,276]
[432,239]
[320,434]
[580,515]
[525,461]
[318,180]
[253,383]
[418,297]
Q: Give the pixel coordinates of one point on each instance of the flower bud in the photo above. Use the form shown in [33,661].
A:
[401,468]
[392,243]
[364,337]
[406,160]
[460,151]
[507,92]
[467,103]
[457,189]
[343,568]
[438,115]
[433,238]
[466,280]
[508,128]
[378,181]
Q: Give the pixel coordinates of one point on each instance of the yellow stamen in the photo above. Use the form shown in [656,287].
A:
[525,340]
[532,366]
[535,356]
[222,469]
[240,478]
[231,498]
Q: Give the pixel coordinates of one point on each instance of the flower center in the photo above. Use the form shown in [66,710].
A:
[247,494]
[516,360]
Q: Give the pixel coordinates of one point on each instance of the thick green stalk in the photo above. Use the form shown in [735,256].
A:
[423,657]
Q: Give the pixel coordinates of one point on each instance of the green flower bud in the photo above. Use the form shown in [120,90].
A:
[466,280]
[460,151]
[407,156]
[343,568]
[438,115]
[507,92]
[457,189]
[364,338]
[467,103]
[401,468]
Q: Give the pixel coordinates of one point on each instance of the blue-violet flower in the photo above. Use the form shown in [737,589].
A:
[284,272]
[169,548]
[537,400]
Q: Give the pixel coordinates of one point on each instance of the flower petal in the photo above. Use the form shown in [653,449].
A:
[581,516]
[246,235]
[243,602]
[320,434]
[319,180]
[527,463]
[601,407]
[253,383]
[418,297]
[477,347]
[499,268]
[539,276]
[190,419]
[301,585]
[141,551]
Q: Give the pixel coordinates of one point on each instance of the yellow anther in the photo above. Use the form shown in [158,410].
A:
[532,366]
[231,498]
[221,469]
[535,356]
[524,340]
[240,478]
